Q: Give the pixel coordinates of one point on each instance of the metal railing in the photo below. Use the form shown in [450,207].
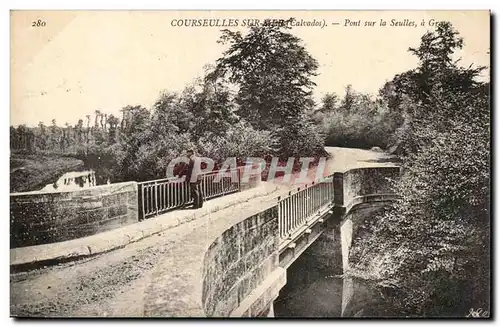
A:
[298,208]
[162,195]
[228,183]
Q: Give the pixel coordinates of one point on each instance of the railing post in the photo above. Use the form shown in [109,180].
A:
[338,189]
[222,183]
[280,222]
[202,187]
[238,176]
[156,197]
[140,193]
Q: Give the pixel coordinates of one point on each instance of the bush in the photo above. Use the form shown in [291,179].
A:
[241,141]
[359,122]
[434,243]
[299,138]
[357,131]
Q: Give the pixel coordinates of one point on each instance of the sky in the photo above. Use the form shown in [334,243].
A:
[82,61]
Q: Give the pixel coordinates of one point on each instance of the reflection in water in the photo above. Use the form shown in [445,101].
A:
[72,181]
[313,291]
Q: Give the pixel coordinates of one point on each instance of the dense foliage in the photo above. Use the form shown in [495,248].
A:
[272,72]
[357,121]
[433,246]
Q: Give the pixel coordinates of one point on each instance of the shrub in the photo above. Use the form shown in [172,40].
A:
[241,141]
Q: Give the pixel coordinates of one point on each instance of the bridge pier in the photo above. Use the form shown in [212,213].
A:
[347,294]
[270,314]
[347,229]
[326,253]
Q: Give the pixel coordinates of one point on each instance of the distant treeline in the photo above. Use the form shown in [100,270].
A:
[67,139]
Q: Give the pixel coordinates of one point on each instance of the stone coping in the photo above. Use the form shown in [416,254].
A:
[40,192]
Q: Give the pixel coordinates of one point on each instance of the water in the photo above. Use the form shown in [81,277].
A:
[71,181]
[320,298]
[313,291]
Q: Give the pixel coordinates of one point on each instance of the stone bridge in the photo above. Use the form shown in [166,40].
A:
[226,260]
[237,267]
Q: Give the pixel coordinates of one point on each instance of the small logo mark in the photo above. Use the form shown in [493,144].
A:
[479,313]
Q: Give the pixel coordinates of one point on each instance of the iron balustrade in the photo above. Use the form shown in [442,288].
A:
[162,195]
[216,184]
[298,208]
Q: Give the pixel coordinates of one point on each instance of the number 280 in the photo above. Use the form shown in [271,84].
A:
[38,23]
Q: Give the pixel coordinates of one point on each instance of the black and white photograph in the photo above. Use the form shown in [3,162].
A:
[250,164]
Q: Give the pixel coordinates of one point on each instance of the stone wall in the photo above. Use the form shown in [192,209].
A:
[365,181]
[238,261]
[41,218]
[48,217]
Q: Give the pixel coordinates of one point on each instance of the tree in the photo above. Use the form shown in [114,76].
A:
[54,138]
[241,141]
[169,116]
[98,114]
[299,136]
[348,101]
[79,129]
[329,102]
[211,108]
[64,137]
[359,121]
[113,127]
[136,132]
[273,72]
[41,140]
[437,74]
[88,133]
[435,241]
[22,138]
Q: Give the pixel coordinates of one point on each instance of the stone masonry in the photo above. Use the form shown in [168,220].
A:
[41,218]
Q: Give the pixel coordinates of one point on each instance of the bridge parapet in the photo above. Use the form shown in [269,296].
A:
[238,262]
[222,266]
[48,217]
[42,217]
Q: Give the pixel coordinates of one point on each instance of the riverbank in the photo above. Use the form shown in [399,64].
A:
[30,172]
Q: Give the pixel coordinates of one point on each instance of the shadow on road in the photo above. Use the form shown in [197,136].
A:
[395,160]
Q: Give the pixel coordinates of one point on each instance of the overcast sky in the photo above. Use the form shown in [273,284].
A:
[82,61]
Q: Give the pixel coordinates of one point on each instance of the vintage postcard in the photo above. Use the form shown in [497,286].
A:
[279,164]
